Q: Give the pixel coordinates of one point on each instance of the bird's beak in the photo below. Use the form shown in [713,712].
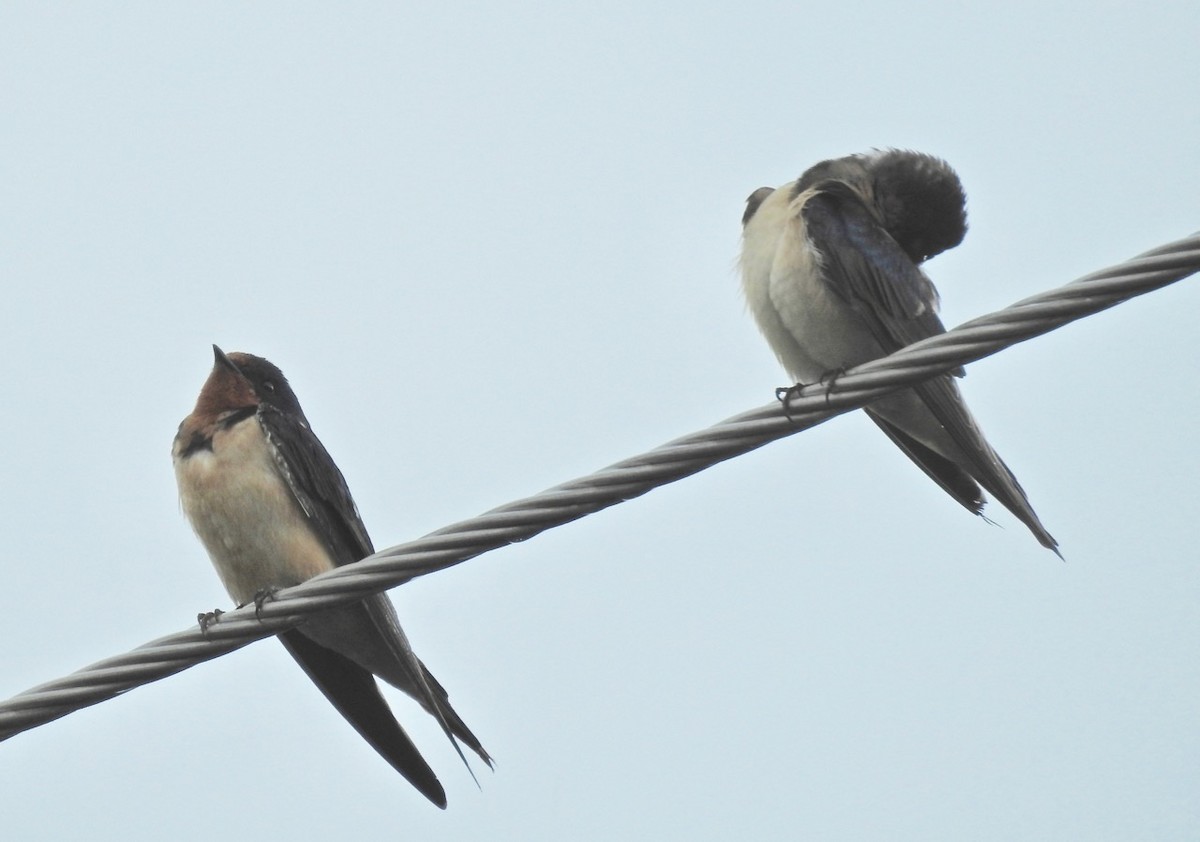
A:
[220,358]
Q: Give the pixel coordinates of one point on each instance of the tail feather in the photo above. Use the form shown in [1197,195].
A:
[953,479]
[942,397]
[353,691]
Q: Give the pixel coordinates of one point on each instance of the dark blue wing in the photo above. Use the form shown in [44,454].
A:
[868,270]
[322,493]
[865,267]
[317,485]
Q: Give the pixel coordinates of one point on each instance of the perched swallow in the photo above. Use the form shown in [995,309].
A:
[273,510]
[831,270]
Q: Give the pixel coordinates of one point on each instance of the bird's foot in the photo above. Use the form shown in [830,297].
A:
[261,597]
[829,380]
[208,619]
[785,394]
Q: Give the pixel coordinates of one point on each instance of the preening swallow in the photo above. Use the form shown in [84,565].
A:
[272,510]
[831,270]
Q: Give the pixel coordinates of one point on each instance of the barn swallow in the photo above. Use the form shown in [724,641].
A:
[831,270]
[272,510]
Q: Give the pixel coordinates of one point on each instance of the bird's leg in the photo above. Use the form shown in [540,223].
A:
[261,597]
[784,395]
[207,619]
[829,379]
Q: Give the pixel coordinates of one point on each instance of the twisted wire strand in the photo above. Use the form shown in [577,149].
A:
[625,480]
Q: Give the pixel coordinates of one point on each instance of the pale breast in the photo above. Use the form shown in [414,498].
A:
[780,281]
[245,515]
[828,332]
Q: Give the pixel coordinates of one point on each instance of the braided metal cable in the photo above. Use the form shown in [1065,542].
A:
[623,481]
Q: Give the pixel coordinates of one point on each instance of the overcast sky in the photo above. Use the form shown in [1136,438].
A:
[493,248]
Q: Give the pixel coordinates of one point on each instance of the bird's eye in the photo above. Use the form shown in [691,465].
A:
[269,385]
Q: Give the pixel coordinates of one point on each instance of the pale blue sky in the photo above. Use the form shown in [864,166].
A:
[493,248]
